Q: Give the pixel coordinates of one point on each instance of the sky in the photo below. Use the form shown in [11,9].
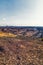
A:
[21,12]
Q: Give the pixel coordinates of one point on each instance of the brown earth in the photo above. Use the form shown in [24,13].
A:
[20,52]
[18,48]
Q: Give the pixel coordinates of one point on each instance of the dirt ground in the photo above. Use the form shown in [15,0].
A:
[15,51]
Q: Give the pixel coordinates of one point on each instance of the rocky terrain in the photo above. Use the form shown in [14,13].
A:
[26,48]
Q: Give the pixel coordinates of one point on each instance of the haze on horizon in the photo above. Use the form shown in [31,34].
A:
[21,12]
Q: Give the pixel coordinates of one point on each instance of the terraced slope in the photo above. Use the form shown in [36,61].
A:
[4,34]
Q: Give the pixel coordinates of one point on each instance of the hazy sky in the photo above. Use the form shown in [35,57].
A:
[21,12]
